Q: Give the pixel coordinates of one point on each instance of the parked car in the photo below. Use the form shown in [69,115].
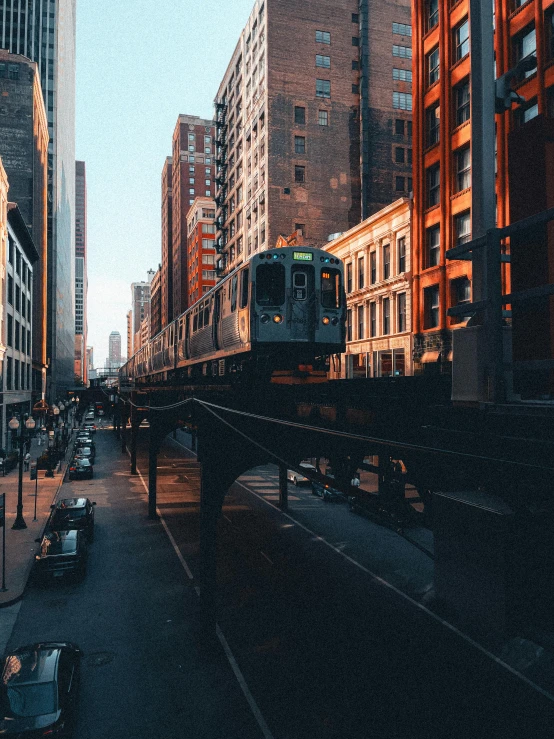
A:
[328,492]
[62,553]
[39,690]
[85,452]
[90,427]
[296,478]
[73,513]
[89,416]
[81,469]
[82,441]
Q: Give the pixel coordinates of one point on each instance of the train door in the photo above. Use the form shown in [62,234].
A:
[302,317]
[216,319]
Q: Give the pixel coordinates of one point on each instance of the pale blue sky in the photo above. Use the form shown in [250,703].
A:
[139,64]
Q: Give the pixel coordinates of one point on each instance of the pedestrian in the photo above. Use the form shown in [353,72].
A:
[27,461]
[28,445]
[355,481]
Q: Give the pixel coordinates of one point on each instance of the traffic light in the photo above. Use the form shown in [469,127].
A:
[504,95]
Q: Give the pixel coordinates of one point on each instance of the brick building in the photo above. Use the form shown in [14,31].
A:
[201,248]
[156,302]
[24,148]
[81,278]
[376,255]
[442,163]
[306,98]
[166,276]
[192,177]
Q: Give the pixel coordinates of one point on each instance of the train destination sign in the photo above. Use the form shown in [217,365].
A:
[303,256]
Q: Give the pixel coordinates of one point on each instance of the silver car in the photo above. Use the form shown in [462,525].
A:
[296,478]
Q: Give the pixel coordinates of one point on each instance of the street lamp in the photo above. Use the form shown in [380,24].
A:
[14,425]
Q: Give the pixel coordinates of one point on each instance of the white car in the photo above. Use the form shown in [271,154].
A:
[296,478]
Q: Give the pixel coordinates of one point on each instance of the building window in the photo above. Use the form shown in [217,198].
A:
[355,41]
[323,37]
[460,293]
[355,89]
[323,88]
[401,312]
[361,273]
[526,112]
[432,13]
[299,115]
[299,173]
[433,186]
[404,75]
[355,65]
[432,128]
[323,118]
[386,261]
[402,29]
[361,326]
[402,100]
[355,18]
[431,306]
[403,52]
[373,267]
[399,155]
[386,316]
[462,103]
[10,289]
[463,168]
[401,255]
[399,126]
[299,145]
[461,41]
[524,45]
[549,23]
[462,228]
[322,61]
[349,277]
[349,325]
[400,184]
[432,65]
[373,319]
[10,330]
[433,247]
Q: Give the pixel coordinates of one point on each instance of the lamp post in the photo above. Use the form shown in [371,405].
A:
[14,425]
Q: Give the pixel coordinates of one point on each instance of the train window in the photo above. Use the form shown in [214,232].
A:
[195,322]
[270,284]
[207,313]
[299,289]
[234,285]
[201,315]
[245,281]
[330,288]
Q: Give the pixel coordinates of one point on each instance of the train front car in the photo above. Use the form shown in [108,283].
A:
[298,311]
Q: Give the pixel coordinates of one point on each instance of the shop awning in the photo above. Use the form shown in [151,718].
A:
[430,357]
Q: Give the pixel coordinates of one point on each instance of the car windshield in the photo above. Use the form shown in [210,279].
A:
[29,700]
[64,517]
[82,462]
[58,543]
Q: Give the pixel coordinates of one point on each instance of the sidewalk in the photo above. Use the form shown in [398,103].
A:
[20,543]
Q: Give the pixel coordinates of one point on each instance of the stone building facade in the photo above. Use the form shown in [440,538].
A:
[201,248]
[377,263]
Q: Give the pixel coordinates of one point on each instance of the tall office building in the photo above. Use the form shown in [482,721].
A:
[166,274]
[81,282]
[156,303]
[140,307]
[192,173]
[24,148]
[114,350]
[44,31]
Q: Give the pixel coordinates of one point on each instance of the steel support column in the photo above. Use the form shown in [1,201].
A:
[135,423]
[152,477]
[283,488]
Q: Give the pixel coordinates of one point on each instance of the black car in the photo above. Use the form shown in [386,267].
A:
[62,553]
[73,513]
[80,469]
[85,452]
[39,689]
[327,491]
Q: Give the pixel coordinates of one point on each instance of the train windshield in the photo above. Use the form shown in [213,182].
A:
[330,288]
[270,284]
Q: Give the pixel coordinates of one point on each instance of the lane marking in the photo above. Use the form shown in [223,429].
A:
[398,592]
[265,555]
[223,641]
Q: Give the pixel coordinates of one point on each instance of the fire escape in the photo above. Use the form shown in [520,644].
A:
[221,183]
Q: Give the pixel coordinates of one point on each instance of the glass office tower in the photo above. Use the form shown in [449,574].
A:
[44,31]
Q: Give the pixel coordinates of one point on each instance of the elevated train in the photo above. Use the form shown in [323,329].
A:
[280,314]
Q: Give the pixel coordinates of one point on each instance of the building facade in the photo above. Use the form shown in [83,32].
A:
[24,147]
[114,350]
[192,177]
[200,248]
[17,376]
[166,276]
[140,306]
[156,303]
[288,128]
[45,32]
[81,281]
[377,263]
[129,318]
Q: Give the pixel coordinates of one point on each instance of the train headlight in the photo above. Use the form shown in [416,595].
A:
[335,321]
[326,320]
[264,318]
[277,318]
